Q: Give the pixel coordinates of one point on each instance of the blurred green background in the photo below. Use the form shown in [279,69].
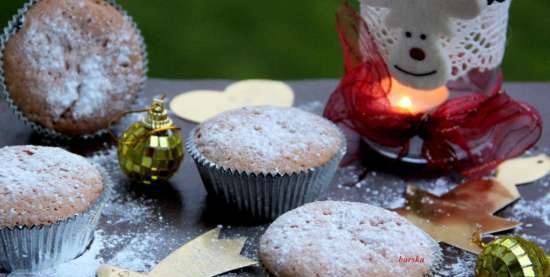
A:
[286,39]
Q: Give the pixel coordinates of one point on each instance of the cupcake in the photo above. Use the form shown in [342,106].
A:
[333,238]
[50,202]
[266,160]
[70,66]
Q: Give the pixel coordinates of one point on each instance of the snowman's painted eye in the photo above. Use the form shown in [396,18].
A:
[408,34]
[423,37]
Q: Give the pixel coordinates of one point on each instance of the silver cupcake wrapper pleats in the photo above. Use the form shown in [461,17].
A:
[263,195]
[13,27]
[26,249]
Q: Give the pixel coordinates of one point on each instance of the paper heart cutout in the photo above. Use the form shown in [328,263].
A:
[200,105]
[523,170]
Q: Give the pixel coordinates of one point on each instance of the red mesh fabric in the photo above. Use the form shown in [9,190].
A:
[472,133]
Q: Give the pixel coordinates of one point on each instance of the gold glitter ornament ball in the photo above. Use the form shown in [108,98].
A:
[151,150]
[512,257]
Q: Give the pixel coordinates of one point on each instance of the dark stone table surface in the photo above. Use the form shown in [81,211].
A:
[173,214]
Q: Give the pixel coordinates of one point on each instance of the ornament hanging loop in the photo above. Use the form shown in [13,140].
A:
[157,118]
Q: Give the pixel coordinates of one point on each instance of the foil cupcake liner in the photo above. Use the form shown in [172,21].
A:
[13,27]
[264,196]
[32,248]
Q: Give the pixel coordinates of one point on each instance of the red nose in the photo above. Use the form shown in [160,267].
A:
[417,54]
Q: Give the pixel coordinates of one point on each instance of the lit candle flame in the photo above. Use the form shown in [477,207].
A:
[413,101]
[405,103]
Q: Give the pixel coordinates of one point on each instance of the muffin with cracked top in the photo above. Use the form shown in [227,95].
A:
[266,160]
[50,201]
[72,65]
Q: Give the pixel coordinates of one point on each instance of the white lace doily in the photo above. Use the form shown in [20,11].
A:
[476,44]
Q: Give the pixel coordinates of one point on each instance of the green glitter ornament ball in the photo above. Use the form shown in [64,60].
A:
[151,150]
[512,257]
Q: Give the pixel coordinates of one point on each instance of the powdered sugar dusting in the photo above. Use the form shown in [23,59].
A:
[41,185]
[539,208]
[347,239]
[268,139]
[84,67]
[461,266]
[140,239]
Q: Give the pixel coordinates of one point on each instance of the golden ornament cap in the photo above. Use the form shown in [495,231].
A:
[151,150]
[157,115]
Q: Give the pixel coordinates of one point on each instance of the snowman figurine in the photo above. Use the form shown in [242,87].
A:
[418,38]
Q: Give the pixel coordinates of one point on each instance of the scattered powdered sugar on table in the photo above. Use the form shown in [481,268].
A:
[354,183]
[139,253]
[123,210]
[539,208]
[461,266]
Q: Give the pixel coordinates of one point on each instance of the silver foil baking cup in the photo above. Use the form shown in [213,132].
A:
[264,195]
[26,249]
[13,27]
